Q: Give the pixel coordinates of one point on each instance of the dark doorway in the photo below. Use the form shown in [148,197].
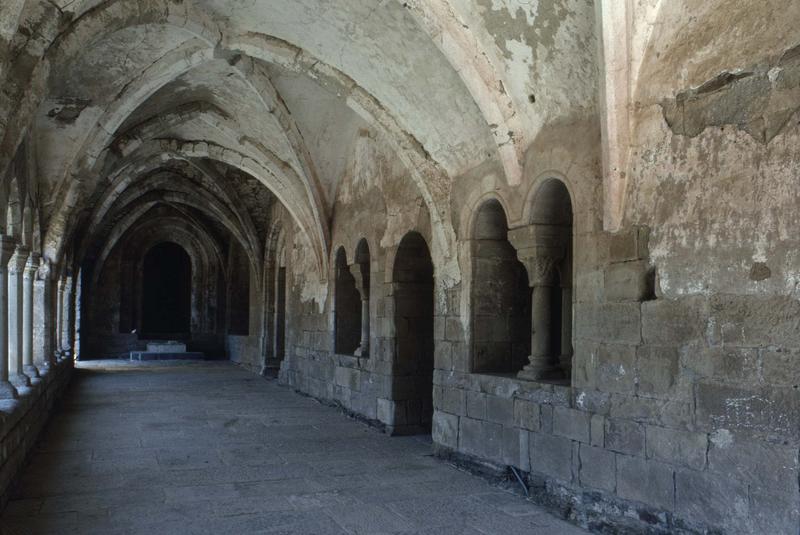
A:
[412,287]
[167,290]
[501,297]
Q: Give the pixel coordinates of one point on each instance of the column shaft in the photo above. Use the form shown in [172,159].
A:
[566,331]
[7,390]
[66,318]
[27,315]
[361,275]
[363,348]
[15,316]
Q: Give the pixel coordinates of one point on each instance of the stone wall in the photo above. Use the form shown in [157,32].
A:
[680,413]
[22,419]
[245,350]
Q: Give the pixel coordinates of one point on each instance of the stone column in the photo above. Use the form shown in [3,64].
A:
[31,267]
[44,356]
[65,300]
[16,270]
[565,359]
[7,390]
[362,285]
[59,318]
[540,248]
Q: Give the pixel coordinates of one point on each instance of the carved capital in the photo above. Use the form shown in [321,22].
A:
[362,280]
[18,260]
[542,270]
[7,246]
[540,248]
[32,265]
[46,270]
[62,285]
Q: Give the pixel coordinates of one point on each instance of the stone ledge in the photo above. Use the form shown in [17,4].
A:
[22,420]
[595,510]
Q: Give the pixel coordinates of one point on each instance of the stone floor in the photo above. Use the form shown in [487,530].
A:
[209,448]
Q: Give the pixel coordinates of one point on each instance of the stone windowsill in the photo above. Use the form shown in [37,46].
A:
[508,385]
[350,361]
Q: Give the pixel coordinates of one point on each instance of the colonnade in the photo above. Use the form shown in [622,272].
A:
[26,311]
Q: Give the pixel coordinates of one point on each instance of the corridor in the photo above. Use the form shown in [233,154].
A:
[211,448]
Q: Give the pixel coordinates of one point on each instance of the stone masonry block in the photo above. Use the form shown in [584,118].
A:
[630,244]
[616,368]
[546,418]
[756,321]
[624,436]
[598,468]
[657,368]
[454,331]
[500,410]
[662,412]
[572,424]
[628,281]
[480,438]
[765,411]
[677,447]
[449,399]
[770,512]
[386,411]
[760,464]
[711,499]
[674,322]
[551,455]
[649,482]
[526,415]
[510,446]
[620,322]
[347,377]
[598,431]
[476,405]
[781,367]
[445,429]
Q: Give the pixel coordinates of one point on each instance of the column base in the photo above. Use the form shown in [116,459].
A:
[31,371]
[540,371]
[7,390]
[361,352]
[20,380]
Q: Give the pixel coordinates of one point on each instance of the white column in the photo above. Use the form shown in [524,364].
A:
[66,317]
[362,285]
[59,319]
[16,268]
[69,317]
[31,266]
[44,356]
[7,390]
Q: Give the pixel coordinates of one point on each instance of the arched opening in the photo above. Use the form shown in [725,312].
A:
[412,289]
[545,246]
[360,271]
[166,296]
[501,299]
[347,303]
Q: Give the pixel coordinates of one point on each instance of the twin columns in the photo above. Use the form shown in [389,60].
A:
[18,271]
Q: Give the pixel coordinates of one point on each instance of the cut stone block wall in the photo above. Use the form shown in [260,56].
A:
[22,419]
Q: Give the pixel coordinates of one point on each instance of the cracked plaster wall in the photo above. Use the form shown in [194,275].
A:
[689,379]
